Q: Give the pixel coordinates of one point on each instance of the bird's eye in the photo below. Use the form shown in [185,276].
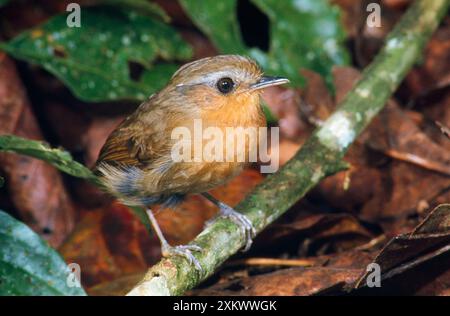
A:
[225,85]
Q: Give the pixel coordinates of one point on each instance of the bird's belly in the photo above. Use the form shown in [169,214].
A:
[192,177]
[207,161]
[210,175]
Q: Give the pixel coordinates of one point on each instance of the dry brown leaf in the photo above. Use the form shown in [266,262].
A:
[410,183]
[35,188]
[289,282]
[428,240]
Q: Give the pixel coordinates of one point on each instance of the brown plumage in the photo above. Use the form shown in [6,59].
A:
[135,163]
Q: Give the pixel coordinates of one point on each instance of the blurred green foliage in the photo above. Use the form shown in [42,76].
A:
[93,60]
[3,2]
[303,34]
[143,6]
[28,266]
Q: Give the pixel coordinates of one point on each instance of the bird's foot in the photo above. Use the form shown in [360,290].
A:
[183,251]
[246,226]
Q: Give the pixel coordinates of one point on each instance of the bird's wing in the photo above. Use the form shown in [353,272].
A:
[141,140]
[131,144]
[119,149]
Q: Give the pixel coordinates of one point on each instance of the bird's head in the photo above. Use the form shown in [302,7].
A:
[222,81]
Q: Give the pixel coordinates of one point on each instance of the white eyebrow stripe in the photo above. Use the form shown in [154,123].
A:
[213,77]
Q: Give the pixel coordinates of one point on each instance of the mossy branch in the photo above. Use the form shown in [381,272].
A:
[320,156]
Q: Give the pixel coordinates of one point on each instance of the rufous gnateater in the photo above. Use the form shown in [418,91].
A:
[136,165]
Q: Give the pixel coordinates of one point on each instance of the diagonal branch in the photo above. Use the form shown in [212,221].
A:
[320,156]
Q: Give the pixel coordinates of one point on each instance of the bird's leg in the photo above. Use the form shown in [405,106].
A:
[241,220]
[181,250]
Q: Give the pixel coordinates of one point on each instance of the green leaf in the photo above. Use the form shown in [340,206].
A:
[303,34]
[3,2]
[93,60]
[158,74]
[59,158]
[143,6]
[217,19]
[28,266]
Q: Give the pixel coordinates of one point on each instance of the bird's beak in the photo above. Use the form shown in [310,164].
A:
[267,81]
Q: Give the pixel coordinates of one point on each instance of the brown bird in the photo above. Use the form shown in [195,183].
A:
[136,163]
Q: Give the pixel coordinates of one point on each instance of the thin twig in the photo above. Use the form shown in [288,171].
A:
[444,129]
[273,262]
[416,160]
[372,243]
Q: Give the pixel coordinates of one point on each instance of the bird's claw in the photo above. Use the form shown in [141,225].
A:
[184,251]
[246,226]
